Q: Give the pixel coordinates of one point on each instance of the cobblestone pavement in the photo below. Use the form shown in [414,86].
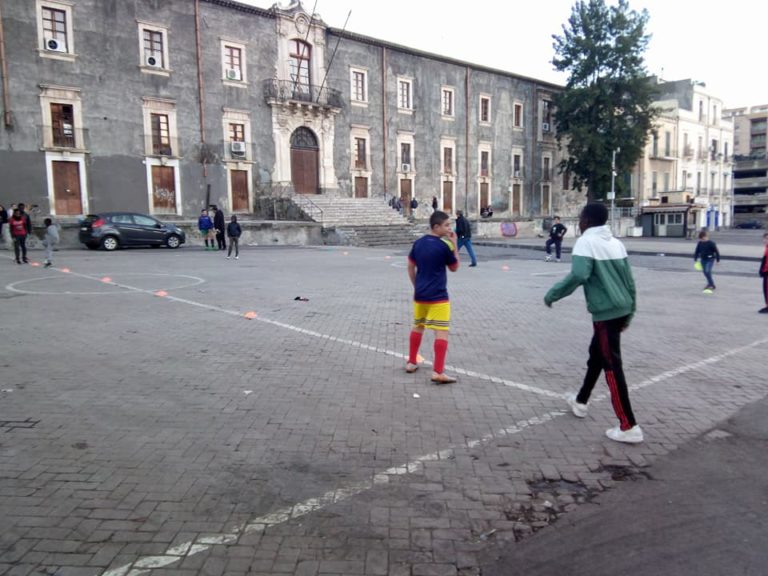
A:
[148,427]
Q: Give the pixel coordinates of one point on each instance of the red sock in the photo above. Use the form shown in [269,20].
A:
[413,351]
[441,347]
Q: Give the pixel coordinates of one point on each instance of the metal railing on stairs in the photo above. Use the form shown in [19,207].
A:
[310,208]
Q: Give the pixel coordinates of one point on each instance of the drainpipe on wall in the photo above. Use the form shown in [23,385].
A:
[384,131]
[534,144]
[203,152]
[7,115]
[466,144]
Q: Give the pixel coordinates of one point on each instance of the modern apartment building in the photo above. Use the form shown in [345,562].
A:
[750,167]
[164,107]
[683,182]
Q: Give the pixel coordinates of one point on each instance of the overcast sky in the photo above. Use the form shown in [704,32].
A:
[722,45]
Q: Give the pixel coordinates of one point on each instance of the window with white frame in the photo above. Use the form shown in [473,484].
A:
[160,127]
[360,158]
[404,94]
[546,199]
[485,163]
[448,159]
[546,116]
[447,102]
[55,30]
[233,63]
[485,109]
[359,85]
[517,115]
[405,151]
[517,164]
[236,126]
[153,42]
[546,168]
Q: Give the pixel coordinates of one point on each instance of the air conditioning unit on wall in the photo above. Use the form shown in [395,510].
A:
[234,74]
[153,62]
[545,127]
[237,148]
[518,173]
[406,167]
[54,45]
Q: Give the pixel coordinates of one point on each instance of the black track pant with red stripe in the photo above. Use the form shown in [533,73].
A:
[765,289]
[605,355]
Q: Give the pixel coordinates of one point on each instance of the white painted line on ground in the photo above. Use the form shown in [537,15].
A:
[176,553]
[320,335]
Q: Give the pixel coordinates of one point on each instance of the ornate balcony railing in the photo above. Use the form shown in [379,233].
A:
[288,90]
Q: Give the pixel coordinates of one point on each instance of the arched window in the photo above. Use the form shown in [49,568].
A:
[300,57]
[304,138]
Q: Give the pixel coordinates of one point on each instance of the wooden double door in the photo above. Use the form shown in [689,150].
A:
[305,162]
[67,194]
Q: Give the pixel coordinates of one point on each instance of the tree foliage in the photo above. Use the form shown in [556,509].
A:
[607,101]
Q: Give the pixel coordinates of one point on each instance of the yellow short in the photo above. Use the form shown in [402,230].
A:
[433,315]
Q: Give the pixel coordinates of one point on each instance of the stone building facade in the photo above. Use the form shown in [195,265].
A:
[166,106]
[684,179]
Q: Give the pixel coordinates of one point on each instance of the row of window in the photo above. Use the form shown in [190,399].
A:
[712,153]
[56,36]
[359,96]
[361,161]
[685,185]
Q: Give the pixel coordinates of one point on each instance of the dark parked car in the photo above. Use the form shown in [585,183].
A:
[751,225]
[112,230]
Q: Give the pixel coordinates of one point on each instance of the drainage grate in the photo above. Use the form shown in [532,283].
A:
[9,425]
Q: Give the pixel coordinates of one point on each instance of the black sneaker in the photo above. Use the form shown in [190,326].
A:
[763,310]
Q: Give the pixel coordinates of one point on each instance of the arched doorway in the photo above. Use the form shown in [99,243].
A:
[304,161]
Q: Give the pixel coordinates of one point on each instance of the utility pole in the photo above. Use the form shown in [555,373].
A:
[612,194]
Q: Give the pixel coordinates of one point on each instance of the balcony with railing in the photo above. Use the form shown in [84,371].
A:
[287,91]
[166,146]
[64,137]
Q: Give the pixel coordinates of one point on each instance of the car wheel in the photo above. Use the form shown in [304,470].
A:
[173,241]
[110,243]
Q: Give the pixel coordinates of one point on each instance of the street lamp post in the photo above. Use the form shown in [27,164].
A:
[612,194]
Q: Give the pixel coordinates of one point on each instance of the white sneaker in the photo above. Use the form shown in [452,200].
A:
[228,257]
[237,257]
[548,259]
[632,436]
[557,260]
[579,410]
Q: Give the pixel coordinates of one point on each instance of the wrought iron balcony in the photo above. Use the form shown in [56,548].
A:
[289,91]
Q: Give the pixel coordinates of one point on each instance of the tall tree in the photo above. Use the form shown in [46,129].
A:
[607,102]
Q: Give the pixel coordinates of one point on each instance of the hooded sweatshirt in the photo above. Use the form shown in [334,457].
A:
[600,265]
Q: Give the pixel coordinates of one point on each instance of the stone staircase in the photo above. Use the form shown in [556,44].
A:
[360,221]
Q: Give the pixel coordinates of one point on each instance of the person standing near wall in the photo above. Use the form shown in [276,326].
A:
[464,235]
[220,226]
[18,225]
[556,234]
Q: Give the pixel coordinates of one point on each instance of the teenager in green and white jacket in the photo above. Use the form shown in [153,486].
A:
[600,265]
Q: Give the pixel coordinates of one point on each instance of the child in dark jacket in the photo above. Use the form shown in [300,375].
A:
[707,251]
[234,231]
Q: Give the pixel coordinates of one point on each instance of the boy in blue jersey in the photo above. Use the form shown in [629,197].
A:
[429,257]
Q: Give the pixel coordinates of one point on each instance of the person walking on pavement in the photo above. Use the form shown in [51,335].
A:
[3,222]
[464,234]
[707,251]
[600,265]
[434,203]
[234,232]
[764,273]
[205,225]
[50,240]
[556,234]
[429,257]
[18,225]
[220,226]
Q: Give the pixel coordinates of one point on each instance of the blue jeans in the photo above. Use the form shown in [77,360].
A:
[471,251]
[706,267]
